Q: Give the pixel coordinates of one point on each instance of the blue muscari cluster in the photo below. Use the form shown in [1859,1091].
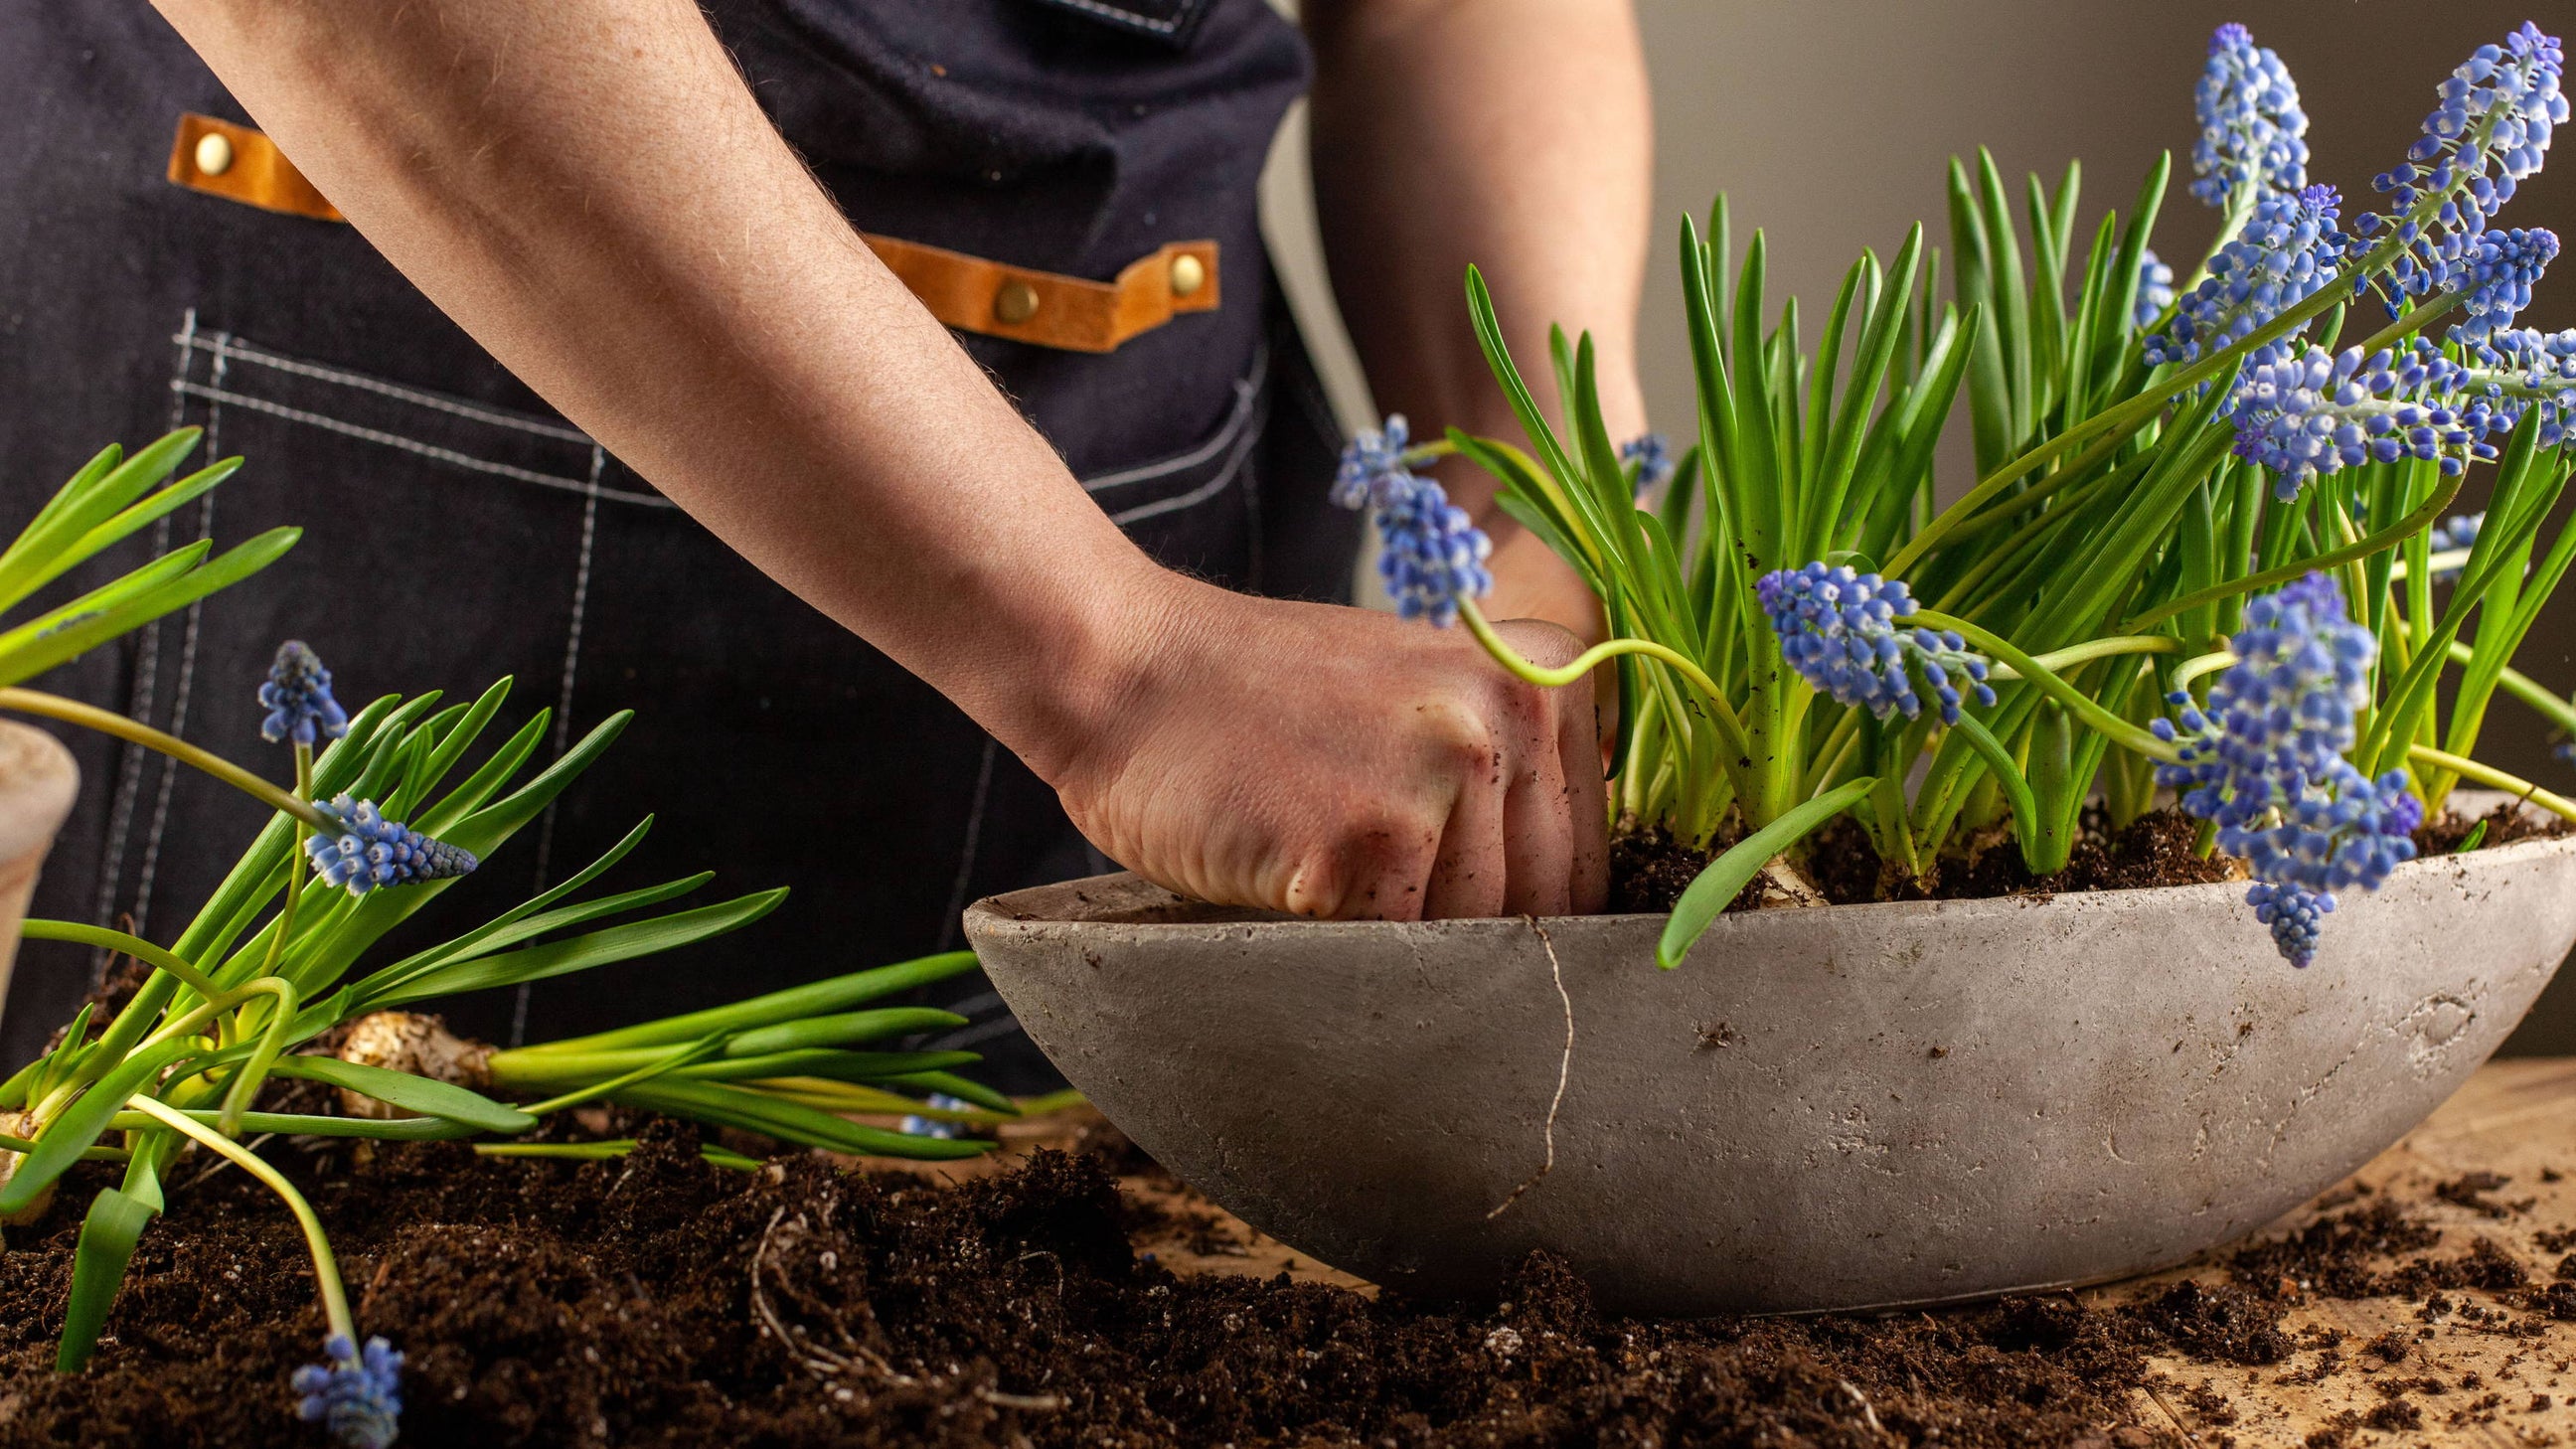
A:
[2155,289]
[2460,530]
[2454,534]
[2524,370]
[1653,458]
[1838,629]
[370,851]
[2500,268]
[2302,412]
[2251,127]
[2288,249]
[1431,554]
[933,1127]
[2265,762]
[298,698]
[357,1396]
[2486,136]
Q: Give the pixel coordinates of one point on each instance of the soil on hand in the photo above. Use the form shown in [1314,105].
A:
[1649,869]
[660,1301]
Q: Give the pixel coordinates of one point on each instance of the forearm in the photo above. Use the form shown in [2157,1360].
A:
[590,190]
[1513,134]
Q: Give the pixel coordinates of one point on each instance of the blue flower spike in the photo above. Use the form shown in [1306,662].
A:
[1838,630]
[2251,128]
[298,698]
[2289,249]
[370,851]
[2488,134]
[2265,762]
[2155,289]
[1653,458]
[1431,554]
[932,1127]
[2306,413]
[356,1395]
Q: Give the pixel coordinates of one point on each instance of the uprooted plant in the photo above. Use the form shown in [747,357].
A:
[279,956]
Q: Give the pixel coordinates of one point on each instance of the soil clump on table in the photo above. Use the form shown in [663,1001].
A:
[1649,869]
[657,1300]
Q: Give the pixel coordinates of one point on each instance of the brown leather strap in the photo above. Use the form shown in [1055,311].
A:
[238,163]
[966,292]
[1049,308]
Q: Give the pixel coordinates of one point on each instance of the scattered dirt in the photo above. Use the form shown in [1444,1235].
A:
[643,1302]
[2505,824]
[660,1301]
[1649,869]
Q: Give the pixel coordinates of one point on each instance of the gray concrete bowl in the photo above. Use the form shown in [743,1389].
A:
[1848,1107]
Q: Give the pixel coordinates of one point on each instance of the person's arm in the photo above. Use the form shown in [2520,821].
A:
[589,189]
[1513,134]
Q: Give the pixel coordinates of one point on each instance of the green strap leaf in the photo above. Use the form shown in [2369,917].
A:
[107,1238]
[424,1095]
[726,1106]
[1717,885]
[67,1136]
[581,953]
[841,1029]
[815,998]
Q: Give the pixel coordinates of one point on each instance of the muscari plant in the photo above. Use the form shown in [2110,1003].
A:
[2206,551]
[279,955]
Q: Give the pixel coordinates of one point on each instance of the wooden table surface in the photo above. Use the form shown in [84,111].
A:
[2515,1119]
[2500,1383]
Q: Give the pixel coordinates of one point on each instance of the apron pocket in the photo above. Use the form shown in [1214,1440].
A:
[1194,509]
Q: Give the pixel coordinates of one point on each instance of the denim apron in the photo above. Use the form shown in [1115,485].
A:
[458,530]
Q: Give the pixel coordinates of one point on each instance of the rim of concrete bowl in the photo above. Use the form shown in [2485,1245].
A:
[1835,1108]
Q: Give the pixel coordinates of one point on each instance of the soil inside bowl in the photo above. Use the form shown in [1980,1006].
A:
[660,1301]
[1649,869]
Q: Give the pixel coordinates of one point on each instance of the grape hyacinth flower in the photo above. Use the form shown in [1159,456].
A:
[2487,135]
[2251,127]
[2155,290]
[2265,762]
[2499,268]
[2293,914]
[1653,458]
[2289,248]
[2306,413]
[1837,630]
[932,1127]
[357,1396]
[2455,534]
[298,698]
[2527,369]
[370,851]
[1431,554]
[1373,467]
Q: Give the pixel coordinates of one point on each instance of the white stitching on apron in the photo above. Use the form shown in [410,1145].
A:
[1246,389]
[188,639]
[426,450]
[563,709]
[1214,486]
[949,921]
[1123,15]
[147,668]
[247,352]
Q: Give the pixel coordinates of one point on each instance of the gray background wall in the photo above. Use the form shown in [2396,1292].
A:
[1829,121]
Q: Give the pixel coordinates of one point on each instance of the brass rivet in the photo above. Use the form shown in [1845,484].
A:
[1188,274]
[1016,302]
[214,154]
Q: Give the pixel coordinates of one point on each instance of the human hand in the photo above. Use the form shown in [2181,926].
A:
[1342,764]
